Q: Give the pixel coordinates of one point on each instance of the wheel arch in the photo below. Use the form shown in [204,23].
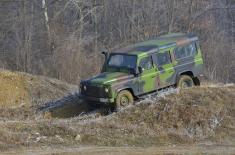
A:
[126,88]
[191,74]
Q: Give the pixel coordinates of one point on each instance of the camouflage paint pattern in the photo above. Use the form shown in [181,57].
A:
[150,80]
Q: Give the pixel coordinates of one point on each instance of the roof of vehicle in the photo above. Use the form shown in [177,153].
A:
[162,42]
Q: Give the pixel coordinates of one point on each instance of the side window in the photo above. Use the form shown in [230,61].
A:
[180,53]
[163,58]
[146,63]
[191,49]
[185,51]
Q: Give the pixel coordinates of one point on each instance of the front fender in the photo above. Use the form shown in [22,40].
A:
[118,89]
[130,84]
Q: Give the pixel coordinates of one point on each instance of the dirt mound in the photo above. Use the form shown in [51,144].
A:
[191,116]
[24,89]
[22,93]
[13,90]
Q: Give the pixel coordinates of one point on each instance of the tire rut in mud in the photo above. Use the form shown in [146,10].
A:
[73,106]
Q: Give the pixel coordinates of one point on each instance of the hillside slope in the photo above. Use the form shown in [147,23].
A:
[20,92]
[198,116]
[19,88]
[193,115]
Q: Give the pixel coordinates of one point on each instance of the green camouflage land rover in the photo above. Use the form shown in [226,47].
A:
[143,68]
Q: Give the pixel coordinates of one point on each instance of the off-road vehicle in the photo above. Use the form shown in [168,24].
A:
[143,68]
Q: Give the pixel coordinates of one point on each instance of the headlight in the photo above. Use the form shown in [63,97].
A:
[84,87]
[106,90]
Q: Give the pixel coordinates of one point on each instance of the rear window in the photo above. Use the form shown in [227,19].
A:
[185,51]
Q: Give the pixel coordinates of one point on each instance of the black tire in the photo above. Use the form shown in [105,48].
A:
[196,81]
[124,98]
[185,81]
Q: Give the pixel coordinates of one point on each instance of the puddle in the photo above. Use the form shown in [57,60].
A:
[69,110]
[72,106]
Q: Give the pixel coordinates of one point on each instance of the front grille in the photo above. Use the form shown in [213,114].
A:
[94,91]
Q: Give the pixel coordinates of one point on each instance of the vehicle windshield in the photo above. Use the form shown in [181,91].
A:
[122,61]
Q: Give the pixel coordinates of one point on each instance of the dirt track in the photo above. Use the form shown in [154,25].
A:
[172,150]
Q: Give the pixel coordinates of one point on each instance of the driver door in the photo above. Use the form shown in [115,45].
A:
[148,75]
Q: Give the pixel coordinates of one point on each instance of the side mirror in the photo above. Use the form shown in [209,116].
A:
[140,69]
[104,53]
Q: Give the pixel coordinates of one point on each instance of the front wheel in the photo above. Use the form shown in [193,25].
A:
[124,98]
[185,81]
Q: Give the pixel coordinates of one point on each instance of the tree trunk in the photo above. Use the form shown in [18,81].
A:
[44,7]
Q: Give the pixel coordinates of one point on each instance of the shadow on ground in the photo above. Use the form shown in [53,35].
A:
[71,106]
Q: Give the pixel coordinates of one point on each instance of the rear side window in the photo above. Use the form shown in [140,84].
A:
[185,51]
[163,58]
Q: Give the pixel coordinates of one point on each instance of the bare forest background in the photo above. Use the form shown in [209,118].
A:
[64,38]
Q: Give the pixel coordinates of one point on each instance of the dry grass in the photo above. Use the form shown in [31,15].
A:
[193,116]
[21,93]
[19,89]
[13,91]
[198,115]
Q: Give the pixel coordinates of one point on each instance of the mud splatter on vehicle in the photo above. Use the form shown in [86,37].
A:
[143,68]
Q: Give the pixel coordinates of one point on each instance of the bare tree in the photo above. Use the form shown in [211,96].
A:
[63,39]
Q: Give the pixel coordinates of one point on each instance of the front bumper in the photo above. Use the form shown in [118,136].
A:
[94,99]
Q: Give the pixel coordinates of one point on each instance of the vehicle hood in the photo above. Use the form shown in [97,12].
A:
[109,78]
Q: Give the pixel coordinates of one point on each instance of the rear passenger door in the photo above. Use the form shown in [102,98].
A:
[165,68]
[148,76]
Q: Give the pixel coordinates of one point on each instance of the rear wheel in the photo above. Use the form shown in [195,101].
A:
[185,81]
[124,98]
